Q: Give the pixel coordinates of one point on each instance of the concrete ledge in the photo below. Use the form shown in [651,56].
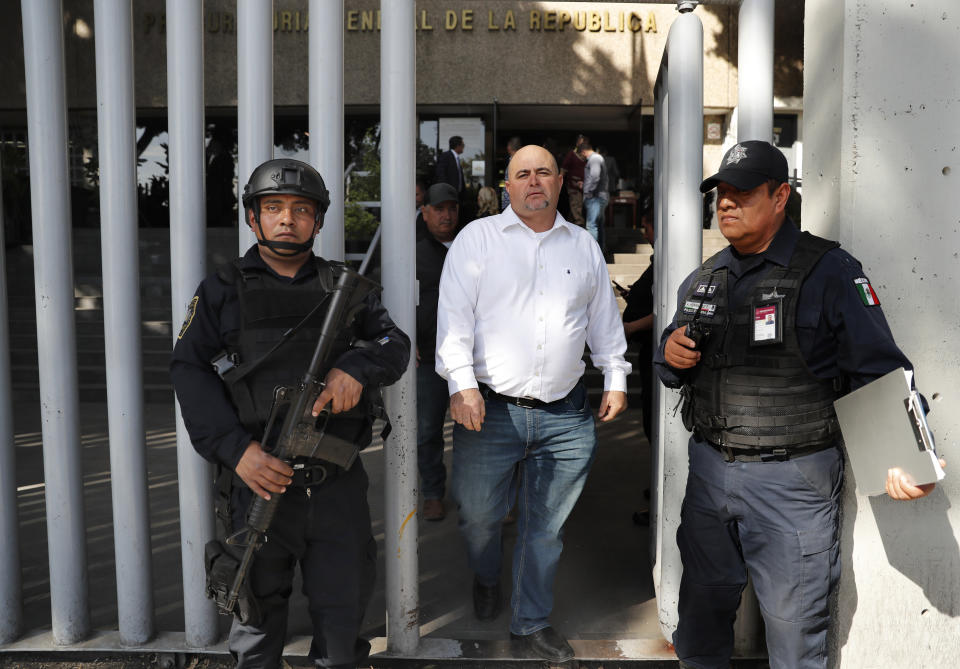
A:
[447,652]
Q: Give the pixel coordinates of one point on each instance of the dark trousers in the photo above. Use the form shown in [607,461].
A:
[779,522]
[576,207]
[433,398]
[328,534]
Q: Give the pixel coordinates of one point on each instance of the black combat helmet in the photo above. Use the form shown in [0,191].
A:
[285,176]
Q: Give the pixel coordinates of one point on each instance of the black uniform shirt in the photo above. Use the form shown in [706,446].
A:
[214,314]
[640,304]
[838,334]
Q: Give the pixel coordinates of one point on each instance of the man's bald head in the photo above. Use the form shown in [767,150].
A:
[534,151]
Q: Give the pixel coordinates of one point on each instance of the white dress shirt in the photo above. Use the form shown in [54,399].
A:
[516,308]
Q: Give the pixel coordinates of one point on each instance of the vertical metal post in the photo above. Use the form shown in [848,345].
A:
[755,71]
[754,121]
[680,242]
[254,97]
[187,268]
[398,145]
[56,333]
[121,316]
[660,319]
[326,117]
[491,170]
[11,612]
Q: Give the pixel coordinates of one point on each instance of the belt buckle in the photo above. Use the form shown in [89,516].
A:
[312,474]
[526,402]
[777,454]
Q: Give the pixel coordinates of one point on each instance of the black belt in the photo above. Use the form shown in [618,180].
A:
[522,402]
[731,454]
[314,472]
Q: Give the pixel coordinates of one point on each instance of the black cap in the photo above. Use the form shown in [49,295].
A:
[747,165]
[440,192]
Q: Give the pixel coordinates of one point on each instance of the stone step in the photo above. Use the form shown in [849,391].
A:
[638,258]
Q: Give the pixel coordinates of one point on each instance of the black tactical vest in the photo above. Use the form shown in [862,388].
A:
[750,391]
[269,309]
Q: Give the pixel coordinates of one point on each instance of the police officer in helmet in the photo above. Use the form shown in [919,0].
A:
[767,333]
[258,318]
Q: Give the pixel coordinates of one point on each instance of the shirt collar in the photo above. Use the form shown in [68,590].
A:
[509,217]
[779,251]
[252,260]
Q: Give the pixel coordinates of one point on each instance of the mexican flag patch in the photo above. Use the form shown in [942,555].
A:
[866,292]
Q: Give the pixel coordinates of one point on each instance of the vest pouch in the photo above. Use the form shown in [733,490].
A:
[221,567]
[686,409]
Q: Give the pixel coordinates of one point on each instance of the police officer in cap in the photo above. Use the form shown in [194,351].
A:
[259,314]
[768,332]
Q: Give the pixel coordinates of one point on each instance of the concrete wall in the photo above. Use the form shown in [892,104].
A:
[881,170]
[513,50]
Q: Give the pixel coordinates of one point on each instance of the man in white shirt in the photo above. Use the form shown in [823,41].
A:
[520,294]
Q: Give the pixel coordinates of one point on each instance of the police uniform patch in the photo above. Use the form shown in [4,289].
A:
[188,319]
[690,306]
[867,295]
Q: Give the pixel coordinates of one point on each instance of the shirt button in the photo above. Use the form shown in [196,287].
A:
[541,266]
[541,318]
[539,346]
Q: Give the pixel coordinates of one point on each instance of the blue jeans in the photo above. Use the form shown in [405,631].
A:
[777,520]
[553,448]
[594,208]
[432,401]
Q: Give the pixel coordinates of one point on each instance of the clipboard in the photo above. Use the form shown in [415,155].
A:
[884,426]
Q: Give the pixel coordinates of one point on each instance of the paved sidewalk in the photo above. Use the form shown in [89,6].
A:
[604,592]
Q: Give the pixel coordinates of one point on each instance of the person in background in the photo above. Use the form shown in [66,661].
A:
[572,170]
[449,169]
[638,328]
[420,194]
[595,195]
[513,145]
[638,325]
[613,171]
[440,212]
[487,202]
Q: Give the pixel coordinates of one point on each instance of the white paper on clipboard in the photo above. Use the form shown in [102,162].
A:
[884,426]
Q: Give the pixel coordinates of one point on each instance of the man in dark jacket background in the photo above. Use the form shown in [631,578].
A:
[440,213]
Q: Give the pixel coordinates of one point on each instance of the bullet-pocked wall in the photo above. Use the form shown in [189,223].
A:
[882,161]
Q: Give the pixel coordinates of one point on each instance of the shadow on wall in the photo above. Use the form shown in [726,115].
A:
[905,545]
[787,39]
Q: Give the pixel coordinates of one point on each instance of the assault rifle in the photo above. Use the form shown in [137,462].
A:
[302,434]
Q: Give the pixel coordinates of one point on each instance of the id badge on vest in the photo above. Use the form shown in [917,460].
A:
[767,322]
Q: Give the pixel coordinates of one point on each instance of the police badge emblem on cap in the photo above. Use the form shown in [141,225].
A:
[736,154]
[747,165]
